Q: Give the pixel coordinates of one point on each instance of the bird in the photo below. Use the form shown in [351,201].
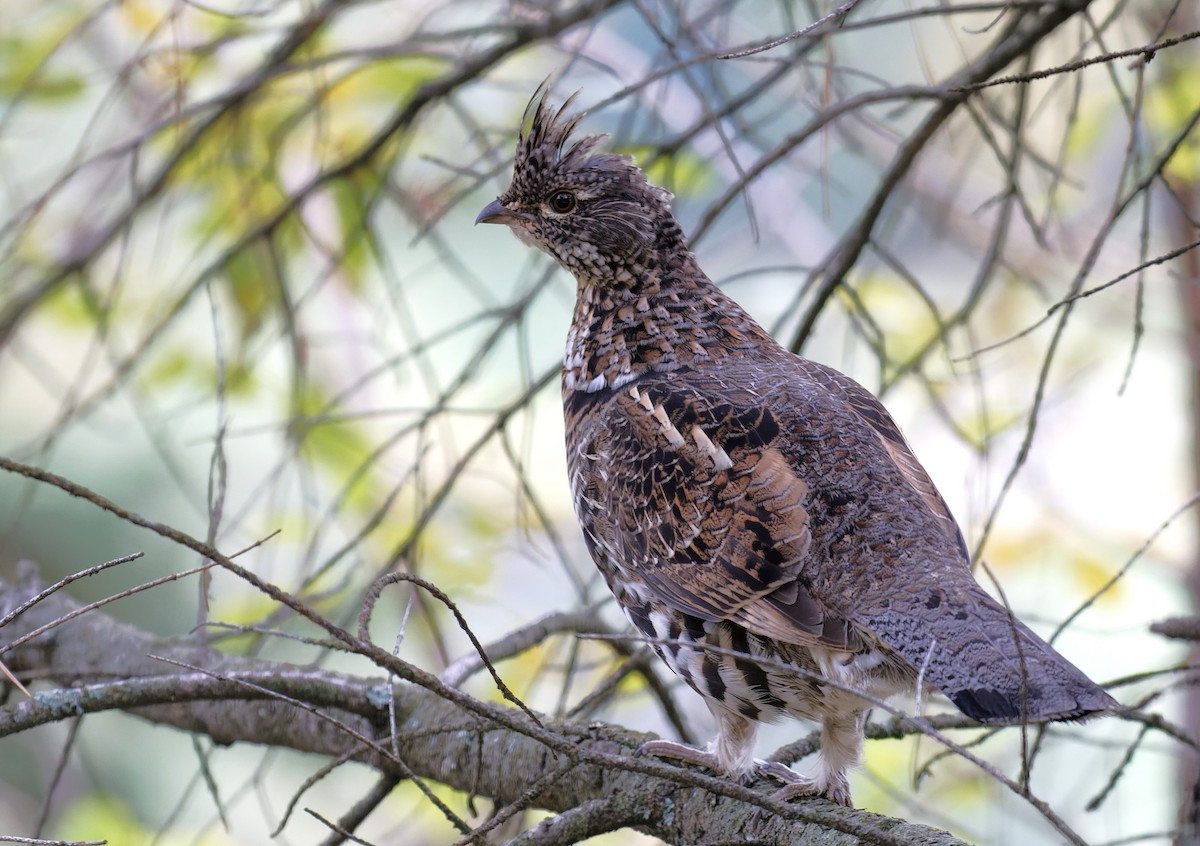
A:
[758,516]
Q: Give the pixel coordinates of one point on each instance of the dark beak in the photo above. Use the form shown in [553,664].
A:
[496,212]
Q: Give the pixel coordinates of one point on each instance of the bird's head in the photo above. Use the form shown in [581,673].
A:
[595,213]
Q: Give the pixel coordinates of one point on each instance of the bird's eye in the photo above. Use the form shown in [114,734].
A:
[562,202]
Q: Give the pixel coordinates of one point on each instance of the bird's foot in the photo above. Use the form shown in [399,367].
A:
[837,790]
[709,759]
[794,784]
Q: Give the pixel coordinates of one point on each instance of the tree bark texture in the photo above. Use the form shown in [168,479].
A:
[587,773]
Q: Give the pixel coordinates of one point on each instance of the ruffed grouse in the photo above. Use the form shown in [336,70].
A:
[758,516]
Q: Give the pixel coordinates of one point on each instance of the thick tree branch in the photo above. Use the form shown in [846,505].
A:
[104,665]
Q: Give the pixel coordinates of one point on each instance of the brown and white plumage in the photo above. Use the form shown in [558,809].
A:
[758,516]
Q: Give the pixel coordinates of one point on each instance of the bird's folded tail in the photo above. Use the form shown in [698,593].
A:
[989,663]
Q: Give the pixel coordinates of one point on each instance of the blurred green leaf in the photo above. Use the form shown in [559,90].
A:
[1169,106]
[979,428]
[194,367]
[893,306]
[253,281]
[682,172]
[98,816]
[338,444]
[350,197]
[67,306]
[21,72]
[390,80]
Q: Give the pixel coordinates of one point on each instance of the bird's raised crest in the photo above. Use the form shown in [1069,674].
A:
[548,132]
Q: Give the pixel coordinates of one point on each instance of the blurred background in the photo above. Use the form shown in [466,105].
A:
[241,293]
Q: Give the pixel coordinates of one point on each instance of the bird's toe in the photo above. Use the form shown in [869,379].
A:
[678,752]
[838,792]
[778,772]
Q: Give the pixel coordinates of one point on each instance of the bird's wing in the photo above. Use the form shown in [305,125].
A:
[792,506]
[863,404]
[710,514]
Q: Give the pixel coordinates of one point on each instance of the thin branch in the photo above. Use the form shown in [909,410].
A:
[817,27]
[1146,52]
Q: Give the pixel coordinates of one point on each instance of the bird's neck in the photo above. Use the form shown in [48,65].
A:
[652,317]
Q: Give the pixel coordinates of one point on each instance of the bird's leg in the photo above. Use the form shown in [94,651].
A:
[841,748]
[730,752]
[733,746]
